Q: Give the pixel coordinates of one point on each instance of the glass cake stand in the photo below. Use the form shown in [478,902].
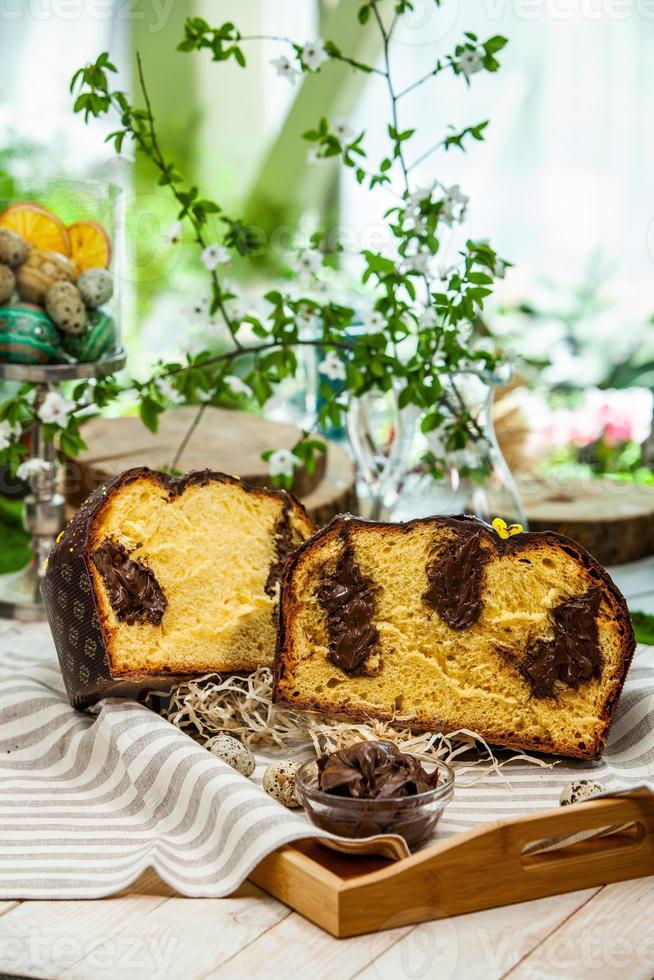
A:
[44,507]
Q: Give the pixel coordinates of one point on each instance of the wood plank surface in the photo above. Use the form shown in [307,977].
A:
[182,937]
[610,936]
[480,944]
[297,948]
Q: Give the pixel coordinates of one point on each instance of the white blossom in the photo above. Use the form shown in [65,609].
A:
[55,409]
[286,68]
[32,466]
[428,318]
[421,194]
[306,319]
[314,157]
[308,262]
[214,255]
[168,391]
[373,320]
[174,234]
[454,205]
[314,54]
[342,129]
[198,311]
[282,463]
[237,385]
[416,224]
[500,268]
[464,332]
[418,261]
[470,62]
[464,458]
[8,433]
[332,367]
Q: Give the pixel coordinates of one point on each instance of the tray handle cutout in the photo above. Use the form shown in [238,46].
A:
[599,842]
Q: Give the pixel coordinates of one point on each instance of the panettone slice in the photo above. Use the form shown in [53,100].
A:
[440,624]
[157,578]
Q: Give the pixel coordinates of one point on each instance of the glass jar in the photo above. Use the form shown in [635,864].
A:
[407,473]
[64,307]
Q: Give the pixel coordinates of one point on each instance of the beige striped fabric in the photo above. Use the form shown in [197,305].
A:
[88,801]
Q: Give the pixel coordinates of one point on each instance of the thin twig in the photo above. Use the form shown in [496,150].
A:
[420,81]
[261,349]
[335,57]
[197,418]
[423,156]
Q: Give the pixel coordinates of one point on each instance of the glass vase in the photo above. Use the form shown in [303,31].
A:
[406,473]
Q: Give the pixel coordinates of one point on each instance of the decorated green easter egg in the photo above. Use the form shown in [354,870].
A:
[99,337]
[27,335]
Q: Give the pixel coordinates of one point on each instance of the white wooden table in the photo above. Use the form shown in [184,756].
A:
[150,932]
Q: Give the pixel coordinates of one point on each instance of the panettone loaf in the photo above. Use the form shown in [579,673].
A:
[157,578]
[440,624]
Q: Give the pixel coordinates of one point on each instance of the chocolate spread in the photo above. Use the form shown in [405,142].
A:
[373,771]
[574,654]
[348,598]
[133,591]
[285,543]
[454,575]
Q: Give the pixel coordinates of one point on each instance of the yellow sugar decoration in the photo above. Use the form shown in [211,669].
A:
[506,530]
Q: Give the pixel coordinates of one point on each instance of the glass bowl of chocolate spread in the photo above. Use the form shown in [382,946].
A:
[373,788]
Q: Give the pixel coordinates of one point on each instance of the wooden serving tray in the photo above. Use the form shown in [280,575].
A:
[350,894]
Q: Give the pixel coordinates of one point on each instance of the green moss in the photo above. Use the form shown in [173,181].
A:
[15,550]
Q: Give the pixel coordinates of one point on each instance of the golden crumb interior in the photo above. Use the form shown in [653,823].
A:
[210,549]
[442,678]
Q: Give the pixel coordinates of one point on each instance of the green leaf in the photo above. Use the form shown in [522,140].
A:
[150,410]
[495,44]
[643,624]
[430,421]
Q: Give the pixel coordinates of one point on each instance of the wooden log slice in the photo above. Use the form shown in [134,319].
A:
[225,440]
[614,521]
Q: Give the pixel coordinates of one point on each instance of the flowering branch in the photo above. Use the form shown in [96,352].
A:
[426,315]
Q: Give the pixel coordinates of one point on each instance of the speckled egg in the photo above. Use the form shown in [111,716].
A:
[13,248]
[279,782]
[40,271]
[233,752]
[27,335]
[66,307]
[581,789]
[7,283]
[98,338]
[96,287]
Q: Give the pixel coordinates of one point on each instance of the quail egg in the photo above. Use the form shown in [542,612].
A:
[279,782]
[233,752]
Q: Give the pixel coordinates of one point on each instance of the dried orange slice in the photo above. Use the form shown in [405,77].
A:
[90,247]
[38,226]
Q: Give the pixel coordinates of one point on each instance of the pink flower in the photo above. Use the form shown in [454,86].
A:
[618,432]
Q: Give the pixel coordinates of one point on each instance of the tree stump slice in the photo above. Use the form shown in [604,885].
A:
[614,521]
[224,440]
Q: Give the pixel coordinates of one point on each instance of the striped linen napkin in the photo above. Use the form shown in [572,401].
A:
[89,801]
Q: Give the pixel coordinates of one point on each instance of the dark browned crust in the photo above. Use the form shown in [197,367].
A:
[512,545]
[74,614]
